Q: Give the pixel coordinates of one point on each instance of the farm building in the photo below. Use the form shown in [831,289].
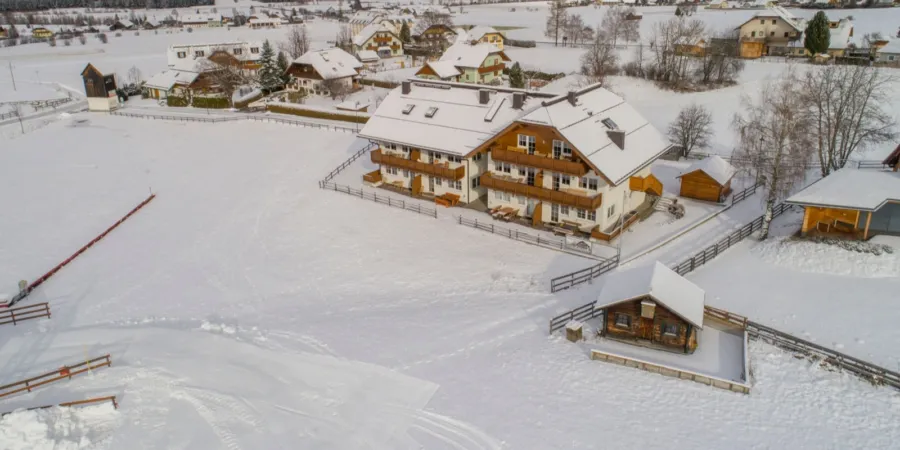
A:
[652,306]
[707,179]
[100,89]
[852,203]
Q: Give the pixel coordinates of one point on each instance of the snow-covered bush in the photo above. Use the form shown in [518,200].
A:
[854,246]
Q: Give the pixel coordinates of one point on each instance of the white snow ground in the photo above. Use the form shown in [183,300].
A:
[58,428]
[245,308]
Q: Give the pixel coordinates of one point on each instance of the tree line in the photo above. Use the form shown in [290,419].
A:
[42,5]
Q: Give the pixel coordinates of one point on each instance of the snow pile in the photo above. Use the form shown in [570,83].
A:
[58,428]
[820,257]
[246,94]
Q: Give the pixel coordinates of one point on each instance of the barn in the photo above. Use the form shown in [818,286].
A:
[652,306]
[707,179]
[100,89]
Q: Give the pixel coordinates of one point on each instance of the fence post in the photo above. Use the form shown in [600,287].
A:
[13,315]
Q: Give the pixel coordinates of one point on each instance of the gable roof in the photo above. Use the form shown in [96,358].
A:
[368,55]
[438,26]
[777,12]
[443,69]
[479,31]
[209,49]
[717,168]
[330,64]
[460,124]
[168,78]
[199,18]
[465,55]
[672,291]
[366,33]
[582,124]
[864,190]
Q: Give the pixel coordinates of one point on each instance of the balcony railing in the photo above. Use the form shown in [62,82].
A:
[563,198]
[649,184]
[437,170]
[494,68]
[520,158]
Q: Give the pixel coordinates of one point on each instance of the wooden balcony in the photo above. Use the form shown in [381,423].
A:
[563,198]
[648,184]
[437,170]
[517,156]
[372,177]
[494,68]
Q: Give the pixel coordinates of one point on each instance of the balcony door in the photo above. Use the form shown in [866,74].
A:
[554,212]
[430,184]
[529,176]
[555,181]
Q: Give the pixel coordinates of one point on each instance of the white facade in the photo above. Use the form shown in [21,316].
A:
[103,104]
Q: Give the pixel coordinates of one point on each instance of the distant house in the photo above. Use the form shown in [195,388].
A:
[841,32]
[691,46]
[486,35]
[707,179]
[201,21]
[262,21]
[362,19]
[718,4]
[769,32]
[171,81]
[122,25]
[4,32]
[41,32]
[368,56]
[438,36]
[889,54]
[151,24]
[100,89]
[324,72]
[652,305]
[480,63]
[853,203]
[380,39]
[246,55]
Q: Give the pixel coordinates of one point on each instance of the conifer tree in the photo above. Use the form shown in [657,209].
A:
[404,33]
[516,77]
[283,67]
[269,75]
[817,38]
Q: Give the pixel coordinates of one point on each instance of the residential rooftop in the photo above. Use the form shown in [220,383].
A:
[864,190]
[331,63]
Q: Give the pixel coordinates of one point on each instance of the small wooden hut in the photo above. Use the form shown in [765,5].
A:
[100,89]
[707,179]
[652,306]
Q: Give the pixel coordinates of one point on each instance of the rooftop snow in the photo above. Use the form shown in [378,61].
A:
[443,69]
[366,33]
[714,166]
[330,64]
[865,190]
[168,78]
[245,55]
[478,32]
[465,55]
[367,55]
[674,292]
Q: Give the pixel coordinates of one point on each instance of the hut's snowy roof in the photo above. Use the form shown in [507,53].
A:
[368,55]
[478,32]
[366,33]
[865,190]
[443,69]
[465,55]
[666,287]
[166,79]
[714,166]
[330,64]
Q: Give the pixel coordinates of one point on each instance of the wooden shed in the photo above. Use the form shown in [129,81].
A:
[100,89]
[707,179]
[652,306]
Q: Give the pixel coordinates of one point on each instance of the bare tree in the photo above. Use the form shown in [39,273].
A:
[691,129]
[82,39]
[337,88]
[297,43]
[847,105]
[775,140]
[135,76]
[431,18]
[556,21]
[344,38]
[574,29]
[616,23]
[600,59]
[669,66]
[225,77]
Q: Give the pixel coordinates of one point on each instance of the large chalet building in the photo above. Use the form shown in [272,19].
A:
[324,72]
[380,39]
[190,66]
[777,32]
[479,63]
[580,159]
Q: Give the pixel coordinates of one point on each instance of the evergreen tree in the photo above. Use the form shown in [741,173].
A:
[817,36]
[678,11]
[404,33]
[283,67]
[516,77]
[269,76]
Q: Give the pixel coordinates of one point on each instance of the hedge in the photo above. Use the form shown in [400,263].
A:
[316,114]
[177,101]
[518,43]
[211,102]
[378,83]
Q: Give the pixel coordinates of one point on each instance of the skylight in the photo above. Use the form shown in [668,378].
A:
[608,123]
[431,112]
[408,108]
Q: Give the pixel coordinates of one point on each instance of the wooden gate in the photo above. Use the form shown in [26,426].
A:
[645,328]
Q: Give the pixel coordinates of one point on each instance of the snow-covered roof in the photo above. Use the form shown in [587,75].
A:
[366,33]
[465,55]
[365,17]
[865,190]
[893,46]
[246,50]
[368,55]
[166,79]
[190,64]
[478,32]
[125,23]
[717,168]
[199,18]
[330,64]
[443,69]
[460,123]
[264,20]
[781,13]
[666,287]
[461,35]
[840,35]
[586,125]
[153,22]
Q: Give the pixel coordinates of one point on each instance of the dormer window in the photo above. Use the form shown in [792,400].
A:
[431,112]
[199,54]
[608,123]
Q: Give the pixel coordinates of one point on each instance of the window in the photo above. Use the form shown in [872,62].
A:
[507,197]
[498,195]
[773,21]
[786,34]
[610,211]
[567,180]
[752,34]
[505,167]
[238,51]
[390,146]
[437,156]
[561,149]
[439,181]
[588,183]
[476,182]
[771,33]
[670,329]
[405,174]
[199,53]
[455,159]
[521,171]
[405,149]
[581,213]
[623,321]
[564,210]
[392,170]
[477,157]
[456,184]
[182,55]
[592,216]
[254,50]
[528,142]
[520,199]
[762,21]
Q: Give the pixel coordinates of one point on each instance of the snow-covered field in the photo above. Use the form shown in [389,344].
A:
[245,308]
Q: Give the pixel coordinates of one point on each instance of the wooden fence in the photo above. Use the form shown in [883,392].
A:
[220,119]
[716,249]
[720,383]
[742,195]
[533,239]
[581,313]
[89,401]
[862,164]
[346,163]
[382,199]
[585,275]
[23,313]
[24,293]
[56,375]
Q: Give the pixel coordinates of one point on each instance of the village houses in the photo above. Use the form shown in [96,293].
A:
[190,65]
[438,36]
[486,35]
[324,72]
[777,32]
[380,39]
[479,63]
[579,160]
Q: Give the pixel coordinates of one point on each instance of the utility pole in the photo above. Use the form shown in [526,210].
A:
[19,116]
[11,74]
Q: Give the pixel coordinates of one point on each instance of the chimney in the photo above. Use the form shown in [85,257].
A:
[618,137]
[484,96]
[518,100]
[572,97]
[406,86]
